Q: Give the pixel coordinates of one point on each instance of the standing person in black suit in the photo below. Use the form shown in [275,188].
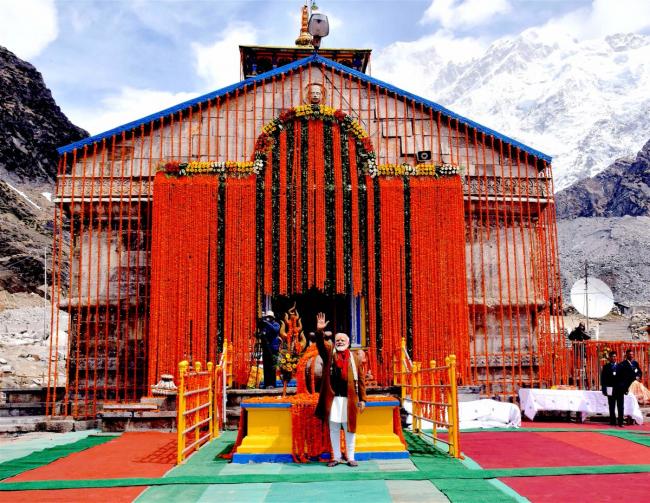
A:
[613,383]
[631,368]
[269,334]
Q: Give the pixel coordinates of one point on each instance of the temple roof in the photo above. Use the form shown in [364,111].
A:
[313,59]
[257,59]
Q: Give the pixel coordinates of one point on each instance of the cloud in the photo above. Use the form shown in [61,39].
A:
[334,21]
[415,66]
[452,14]
[601,18]
[28,26]
[127,105]
[218,63]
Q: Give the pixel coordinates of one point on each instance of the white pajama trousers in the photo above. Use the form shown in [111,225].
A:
[338,420]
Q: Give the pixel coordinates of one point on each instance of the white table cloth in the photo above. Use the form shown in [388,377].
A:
[588,402]
[488,414]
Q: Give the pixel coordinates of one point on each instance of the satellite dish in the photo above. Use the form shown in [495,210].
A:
[591,297]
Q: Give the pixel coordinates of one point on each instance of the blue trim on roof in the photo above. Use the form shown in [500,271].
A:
[292,66]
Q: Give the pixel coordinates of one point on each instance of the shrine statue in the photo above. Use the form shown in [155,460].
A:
[291,332]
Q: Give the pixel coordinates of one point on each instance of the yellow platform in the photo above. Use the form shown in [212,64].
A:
[269,433]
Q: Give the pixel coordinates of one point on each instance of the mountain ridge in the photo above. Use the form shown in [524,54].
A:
[582,102]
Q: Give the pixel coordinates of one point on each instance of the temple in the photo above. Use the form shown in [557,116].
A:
[307,182]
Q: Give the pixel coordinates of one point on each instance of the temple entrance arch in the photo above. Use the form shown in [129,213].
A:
[311,202]
[311,215]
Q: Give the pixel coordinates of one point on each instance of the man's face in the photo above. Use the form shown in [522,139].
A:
[630,355]
[612,358]
[341,342]
[315,94]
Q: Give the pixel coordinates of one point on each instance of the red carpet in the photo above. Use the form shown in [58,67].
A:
[617,450]
[633,487]
[134,454]
[524,449]
[582,426]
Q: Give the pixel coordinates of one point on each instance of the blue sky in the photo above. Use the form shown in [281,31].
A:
[111,61]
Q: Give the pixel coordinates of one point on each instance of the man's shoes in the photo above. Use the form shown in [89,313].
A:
[333,463]
[353,463]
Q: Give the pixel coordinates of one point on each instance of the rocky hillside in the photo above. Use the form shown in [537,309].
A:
[31,128]
[605,221]
[621,189]
[617,250]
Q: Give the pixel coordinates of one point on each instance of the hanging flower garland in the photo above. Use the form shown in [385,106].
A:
[241,168]
[268,137]
[405,169]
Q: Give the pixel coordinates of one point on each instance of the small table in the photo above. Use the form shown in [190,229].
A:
[584,401]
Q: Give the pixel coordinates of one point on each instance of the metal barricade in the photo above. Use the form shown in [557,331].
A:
[195,408]
[588,358]
[433,394]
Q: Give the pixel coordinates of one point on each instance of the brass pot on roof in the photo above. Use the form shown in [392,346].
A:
[304,39]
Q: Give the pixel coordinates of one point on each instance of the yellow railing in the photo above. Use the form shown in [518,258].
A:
[201,406]
[194,408]
[433,394]
[226,362]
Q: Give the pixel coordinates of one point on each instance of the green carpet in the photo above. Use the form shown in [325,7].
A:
[451,475]
[206,473]
[25,445]
[642,438]
[46,456]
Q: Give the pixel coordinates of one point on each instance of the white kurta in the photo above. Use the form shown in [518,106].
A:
[339,410]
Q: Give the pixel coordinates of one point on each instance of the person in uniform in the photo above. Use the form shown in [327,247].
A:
[614,387]
[631,368]
[269,330]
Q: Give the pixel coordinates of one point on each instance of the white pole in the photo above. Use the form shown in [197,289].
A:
[45,334]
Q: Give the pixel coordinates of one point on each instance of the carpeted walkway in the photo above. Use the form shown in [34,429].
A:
[541,464]
[567,448]
[127,455]
[583,488]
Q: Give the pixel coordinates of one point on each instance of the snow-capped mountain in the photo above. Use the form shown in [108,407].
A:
[585,103]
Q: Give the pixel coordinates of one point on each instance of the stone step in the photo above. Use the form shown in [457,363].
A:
[22,424]
[156,400]
[129,407]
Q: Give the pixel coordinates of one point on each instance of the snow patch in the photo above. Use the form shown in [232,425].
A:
[23,195]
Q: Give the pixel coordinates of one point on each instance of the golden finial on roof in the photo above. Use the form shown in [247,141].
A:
[304,39]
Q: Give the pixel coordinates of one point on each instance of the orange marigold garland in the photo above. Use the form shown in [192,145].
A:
[338,208]
[240,272]
[317,140]
[282,217]
[178,330]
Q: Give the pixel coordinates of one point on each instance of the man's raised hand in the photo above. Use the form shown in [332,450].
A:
[320,322]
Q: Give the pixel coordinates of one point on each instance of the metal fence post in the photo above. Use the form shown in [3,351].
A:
[197,413]
[210,400]
[180,408]
[402,368]
[451,361]
[415,396]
